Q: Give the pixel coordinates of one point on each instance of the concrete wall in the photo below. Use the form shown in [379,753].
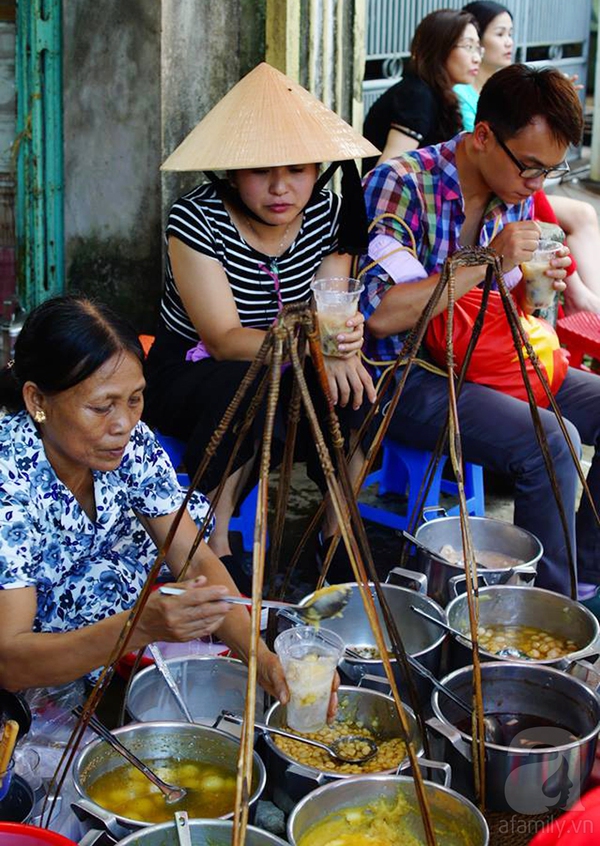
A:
[138,75]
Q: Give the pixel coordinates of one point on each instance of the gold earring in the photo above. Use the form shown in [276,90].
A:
[40,416]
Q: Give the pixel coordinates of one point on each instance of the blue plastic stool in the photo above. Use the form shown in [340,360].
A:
[402,471]
[175,450]
[246,517]
[244,521]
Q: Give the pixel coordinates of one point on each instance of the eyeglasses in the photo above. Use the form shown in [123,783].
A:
[529,172]
[472,48]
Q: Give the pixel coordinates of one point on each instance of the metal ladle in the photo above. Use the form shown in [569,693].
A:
[171,792]
[505,652]
[327,602]
[182,824]
[163,669]
[492,728]
[437,555]
[334,749]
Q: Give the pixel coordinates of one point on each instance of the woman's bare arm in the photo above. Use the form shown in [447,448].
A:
[396,144]
[209,303]
[33,659]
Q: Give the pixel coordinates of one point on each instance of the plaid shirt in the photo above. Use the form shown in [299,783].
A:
[422,189]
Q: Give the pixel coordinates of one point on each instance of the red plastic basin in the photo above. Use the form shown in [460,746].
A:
[19,834]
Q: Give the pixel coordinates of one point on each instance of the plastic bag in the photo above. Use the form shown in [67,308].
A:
[52,722]
[494,362]
[39,752]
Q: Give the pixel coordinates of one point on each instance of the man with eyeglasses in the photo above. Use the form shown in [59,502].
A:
[476,189]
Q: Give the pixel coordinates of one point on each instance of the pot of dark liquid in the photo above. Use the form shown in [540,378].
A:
[545,730]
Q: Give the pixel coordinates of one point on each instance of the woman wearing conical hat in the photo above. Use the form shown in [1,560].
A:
[239,249]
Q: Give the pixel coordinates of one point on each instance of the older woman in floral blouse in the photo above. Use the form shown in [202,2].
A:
[86,494]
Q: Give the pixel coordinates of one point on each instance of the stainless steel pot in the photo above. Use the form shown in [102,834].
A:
[525,606]
[422,640]
[558,712]
[290,780]
[450,811]
[207,684]
[154,741]
[204,833]
[447,580]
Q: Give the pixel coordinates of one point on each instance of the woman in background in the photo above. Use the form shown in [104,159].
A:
[578,219]
[422,108]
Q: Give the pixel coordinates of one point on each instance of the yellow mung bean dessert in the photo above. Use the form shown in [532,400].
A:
[381,822]
[533,642]
[390,752]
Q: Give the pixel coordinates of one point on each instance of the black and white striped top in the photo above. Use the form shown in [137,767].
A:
[200,220]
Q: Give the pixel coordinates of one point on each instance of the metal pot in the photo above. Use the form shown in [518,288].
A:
[207,684]
[447,807]
[421,639]
[290,780]
[154,741]
[525,606]
[447,580]
[203,832]
[561,715]
[18,803]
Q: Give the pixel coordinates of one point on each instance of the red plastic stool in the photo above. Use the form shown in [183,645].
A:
[580,334]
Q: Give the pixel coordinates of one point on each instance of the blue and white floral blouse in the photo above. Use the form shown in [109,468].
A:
[83,570]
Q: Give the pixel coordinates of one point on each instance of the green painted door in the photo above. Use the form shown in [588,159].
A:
[39,151]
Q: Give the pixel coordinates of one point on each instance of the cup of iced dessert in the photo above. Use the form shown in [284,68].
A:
[539,287]
[309,657]
[336,299]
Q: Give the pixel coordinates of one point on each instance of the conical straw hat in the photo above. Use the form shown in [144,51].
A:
[267,120]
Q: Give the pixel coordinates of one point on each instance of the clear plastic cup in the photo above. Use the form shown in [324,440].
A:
[336,298]
[309,657]
[539,288]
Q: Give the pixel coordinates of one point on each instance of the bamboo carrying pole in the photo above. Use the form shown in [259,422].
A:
[7,747]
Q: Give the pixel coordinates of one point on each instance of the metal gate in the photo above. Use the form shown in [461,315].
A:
[39,151]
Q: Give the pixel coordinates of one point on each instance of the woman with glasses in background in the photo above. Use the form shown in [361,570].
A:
[422,108]
[577,218]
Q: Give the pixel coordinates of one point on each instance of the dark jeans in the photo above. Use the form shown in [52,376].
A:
[497,432]
[187,399]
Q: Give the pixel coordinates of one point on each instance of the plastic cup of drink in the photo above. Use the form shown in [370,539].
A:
[309,657]
[336,298]
[539,288]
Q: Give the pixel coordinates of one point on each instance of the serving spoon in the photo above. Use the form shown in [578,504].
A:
[337,749]
[182,824]
[163,669]
[437,555]
[492,728]
[505,652]
[322,604]
[171,792]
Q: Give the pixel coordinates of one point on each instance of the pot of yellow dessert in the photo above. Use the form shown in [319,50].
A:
[382,810]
